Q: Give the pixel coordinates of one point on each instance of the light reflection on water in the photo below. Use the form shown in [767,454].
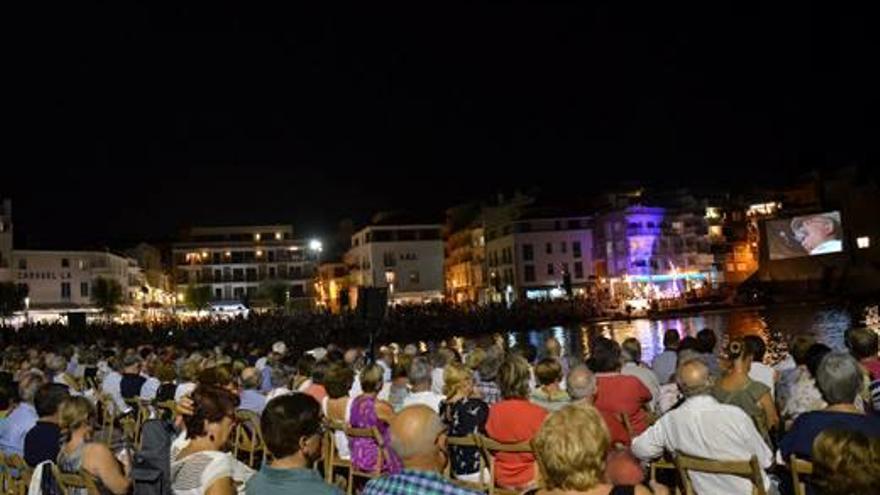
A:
[773,325]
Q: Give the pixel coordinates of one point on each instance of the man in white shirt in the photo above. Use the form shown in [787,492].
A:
[440,359]
[664,363]
[703,427]
[420,379]
[632,365]
[759,371]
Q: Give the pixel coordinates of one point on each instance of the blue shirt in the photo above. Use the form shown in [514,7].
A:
[411,481]
[272,481]
[808,426]
[14,428]
[266,383]
[251,400]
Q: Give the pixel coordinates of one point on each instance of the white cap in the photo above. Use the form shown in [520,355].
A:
[279,347]
[318,353]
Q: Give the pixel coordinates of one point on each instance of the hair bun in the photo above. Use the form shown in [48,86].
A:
[735,349]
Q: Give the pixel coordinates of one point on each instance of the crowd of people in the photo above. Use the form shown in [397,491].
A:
[592,424]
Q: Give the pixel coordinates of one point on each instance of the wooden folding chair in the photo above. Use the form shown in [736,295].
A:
[799,467]
[490,448]
[3,474]
[661,465]
[473,441]
[749,470]
[331,456]
[81,480]
[248,438]
[374,435]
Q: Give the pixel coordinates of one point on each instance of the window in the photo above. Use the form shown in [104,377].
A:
[414,277]
[550,269]
[529,273]
[563,247]
[863,242]
[578,269]
[576,248]
[557,225]
[271,272]
[528,252]
[574,224]
[84,289]
[65,290]
[565,268]
[549,248]
[65,263]
[389,259]
[22,264]
[218,293]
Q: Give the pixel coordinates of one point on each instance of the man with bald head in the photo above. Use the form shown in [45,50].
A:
[250,397]
[418,437]
[581,385]
[703,427]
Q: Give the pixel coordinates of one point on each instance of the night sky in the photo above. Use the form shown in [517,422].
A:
[130,122]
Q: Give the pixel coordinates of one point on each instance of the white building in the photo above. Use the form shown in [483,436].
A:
[532,257]
[58,280]
[236,262]
[405,259]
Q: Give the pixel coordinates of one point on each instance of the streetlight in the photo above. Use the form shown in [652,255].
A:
[316,245]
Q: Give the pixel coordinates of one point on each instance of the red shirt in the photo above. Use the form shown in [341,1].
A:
[873,367]
[514,421]
[316,391]
[618,394]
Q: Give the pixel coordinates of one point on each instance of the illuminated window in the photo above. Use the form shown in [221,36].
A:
[715,230]
[256,237]
[863,242]
[278,236]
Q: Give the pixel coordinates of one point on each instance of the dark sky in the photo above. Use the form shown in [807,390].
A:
[130,121]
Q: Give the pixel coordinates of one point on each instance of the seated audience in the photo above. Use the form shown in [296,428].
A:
[845,462]
[703,427]
[705,345]
[417,437]
[618,395]
[442,357]
[839,378]
[487,373]
[581,385]
[293,432]
[797,392]
[665,362]
[864,344]
[79,453]
[316,389]
[759,371]
[132,381]
[43,440]
[203,467]
[549,393]
[463,414]
[571,448]
[337,405]
[167,382]
[737,389]
[250,397]
[18,423]
[631,353]
[419,374]
[367,411]
[397,391]
[513,420]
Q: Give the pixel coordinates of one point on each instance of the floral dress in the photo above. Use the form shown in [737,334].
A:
[463,417]
[364,451]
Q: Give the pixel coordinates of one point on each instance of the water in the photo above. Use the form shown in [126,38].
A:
[774,325]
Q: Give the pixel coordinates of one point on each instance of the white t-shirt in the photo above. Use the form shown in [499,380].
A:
[428,398]
[437,380]
[195,473]
[760,372]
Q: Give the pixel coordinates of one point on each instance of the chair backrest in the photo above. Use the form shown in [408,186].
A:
[471,440]
[248,437]
[750,470]
[490,447]
[72,481]
[799,467]
[17,475]
[331,457]
[374,435]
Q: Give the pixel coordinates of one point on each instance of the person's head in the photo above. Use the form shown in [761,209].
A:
[693,378]
[706,341]
[442,357]
[552,348]
[410,350]
[250,379]
[400,370]
[737,352]
[474,358]
[581,383]
[846,462]
[419,373]
[319,371]
[513,377]
[28,385]
[604,355]
[189,372]
[548,371]
[75,413]
[491,363]
[49,398]
[687,344]
[131,364]
[631,351]
[814,230]
[567,461]
[217,376]
[798,346]
[56,364]
[338,380]
[815,354]
[457,380]
[165,373]
[213,415]
[863,343]
[755,347]
[418,437]
[304,365]
[839,378]
[671,338]
[371,379]
[386,354]
[528,351]
[291,426]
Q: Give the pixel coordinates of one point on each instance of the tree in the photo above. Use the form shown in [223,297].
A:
[276,292]
[11,298]
[198,297]
[107,294]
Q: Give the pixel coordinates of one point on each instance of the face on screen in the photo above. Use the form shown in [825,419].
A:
[814,231]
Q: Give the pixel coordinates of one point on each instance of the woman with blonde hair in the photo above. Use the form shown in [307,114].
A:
[78,452]
[570,450]
[845,462]
[463,414]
